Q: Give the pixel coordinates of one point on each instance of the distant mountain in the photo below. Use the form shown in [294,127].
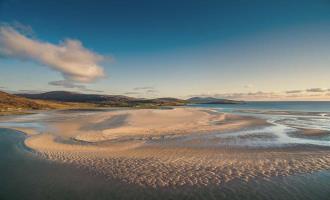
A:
[212,100]
[102,100]
[120,100]
[65,96]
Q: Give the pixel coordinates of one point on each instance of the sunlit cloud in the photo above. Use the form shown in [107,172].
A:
[70,57]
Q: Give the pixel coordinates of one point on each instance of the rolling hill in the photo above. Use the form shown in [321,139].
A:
[103,100]
[13,102]
[10,103]
[120,100]
[65,96]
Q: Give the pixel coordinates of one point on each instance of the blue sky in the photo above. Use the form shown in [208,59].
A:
[237,49]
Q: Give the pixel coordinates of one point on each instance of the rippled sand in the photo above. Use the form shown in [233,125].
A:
[171,148]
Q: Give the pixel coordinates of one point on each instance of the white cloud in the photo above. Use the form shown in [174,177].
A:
[70,57]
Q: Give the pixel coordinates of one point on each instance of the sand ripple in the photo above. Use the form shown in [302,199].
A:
[183,170]
[174,148]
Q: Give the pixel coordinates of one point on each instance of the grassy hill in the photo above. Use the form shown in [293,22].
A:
[104,100]
[10,103]
[20,103]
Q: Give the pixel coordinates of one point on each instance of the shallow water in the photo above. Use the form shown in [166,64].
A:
[24,176]
[285,118]
[306,106]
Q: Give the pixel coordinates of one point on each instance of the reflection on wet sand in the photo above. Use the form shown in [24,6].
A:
[174,148]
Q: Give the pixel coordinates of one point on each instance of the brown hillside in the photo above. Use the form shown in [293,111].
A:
[9,102]
[13,103]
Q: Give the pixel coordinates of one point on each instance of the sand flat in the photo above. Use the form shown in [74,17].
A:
[170,148]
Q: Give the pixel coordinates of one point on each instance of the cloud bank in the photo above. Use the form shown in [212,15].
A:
[316,90]
[144,88]
[70,57]
[142,92]
[72,85]
[293,91]
[308,94]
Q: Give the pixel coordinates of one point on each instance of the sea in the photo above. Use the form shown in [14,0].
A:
[303,106]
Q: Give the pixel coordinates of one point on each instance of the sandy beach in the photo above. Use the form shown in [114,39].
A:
[167,147]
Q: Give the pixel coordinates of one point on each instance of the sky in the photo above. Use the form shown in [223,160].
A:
[242,49]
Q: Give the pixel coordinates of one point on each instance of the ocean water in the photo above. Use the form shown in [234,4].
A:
[303,106]
[287,121]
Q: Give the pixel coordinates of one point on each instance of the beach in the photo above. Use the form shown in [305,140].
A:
[169,148]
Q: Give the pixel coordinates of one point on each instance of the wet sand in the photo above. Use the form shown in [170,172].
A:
[25,175]
[169,148]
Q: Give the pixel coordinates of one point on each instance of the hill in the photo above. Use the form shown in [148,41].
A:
[103,100]
[168,101]
[65,96]
[13,102]
[10,103]
[65,99]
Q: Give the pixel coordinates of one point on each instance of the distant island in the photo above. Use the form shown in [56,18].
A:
[20,103]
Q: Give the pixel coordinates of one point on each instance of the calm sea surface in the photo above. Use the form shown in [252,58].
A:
[303,106]
[286,119]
